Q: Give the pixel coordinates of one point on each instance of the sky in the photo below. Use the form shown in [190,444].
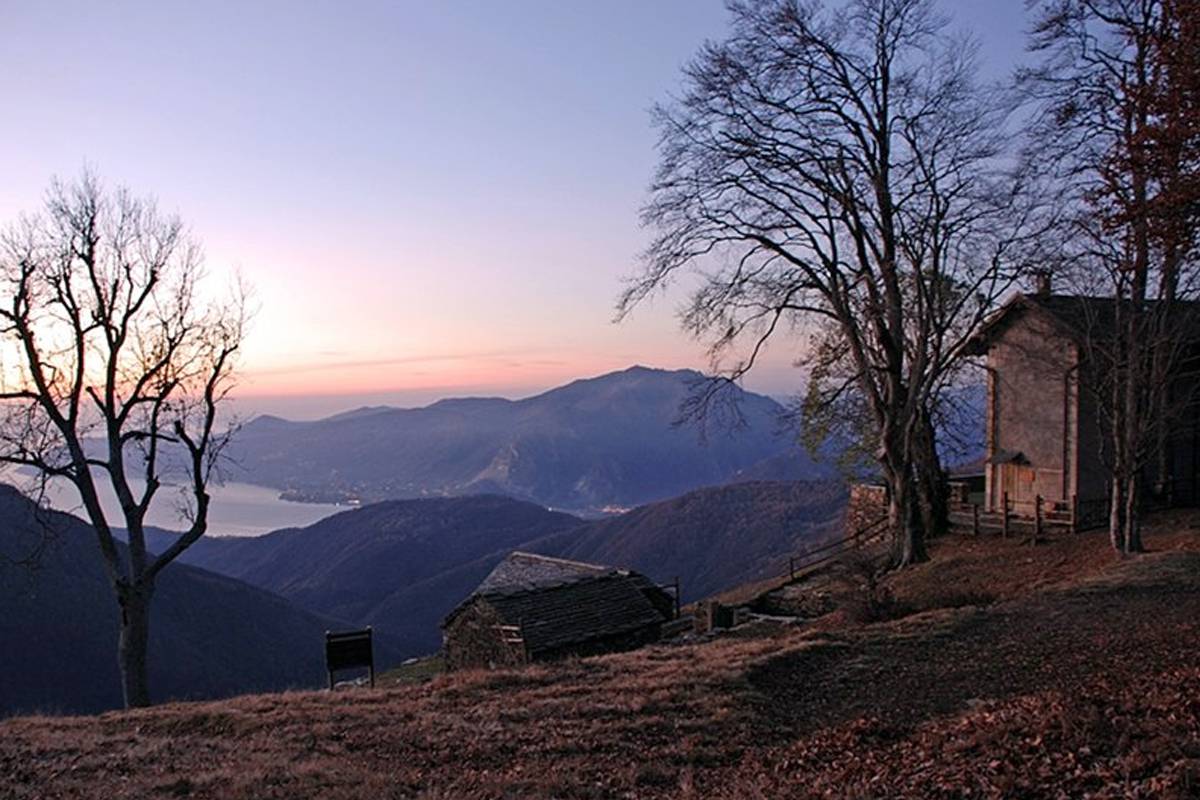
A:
[429,198]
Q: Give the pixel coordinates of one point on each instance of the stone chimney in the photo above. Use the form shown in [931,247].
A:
[1043,283]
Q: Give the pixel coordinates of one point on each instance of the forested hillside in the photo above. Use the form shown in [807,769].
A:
[403,565]
[211,636]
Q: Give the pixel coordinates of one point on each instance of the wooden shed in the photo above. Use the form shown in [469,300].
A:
[538,608]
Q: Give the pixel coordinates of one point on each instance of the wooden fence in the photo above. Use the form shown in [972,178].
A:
[1075,516]
[799,565]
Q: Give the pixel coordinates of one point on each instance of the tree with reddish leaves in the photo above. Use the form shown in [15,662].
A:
[1117,124]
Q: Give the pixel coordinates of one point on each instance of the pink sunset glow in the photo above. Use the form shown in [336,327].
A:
[427,199]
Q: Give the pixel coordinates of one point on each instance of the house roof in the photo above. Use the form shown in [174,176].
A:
[558,602]
[1075,316]
[1007,457]
[523,571]
[587,609]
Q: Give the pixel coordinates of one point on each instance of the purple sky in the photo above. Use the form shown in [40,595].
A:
[429,198]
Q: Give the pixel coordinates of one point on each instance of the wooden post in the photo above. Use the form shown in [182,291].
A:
[676,597]
[975,519]
[1004,515]
[371,666]
[1037,519]
[1074,513]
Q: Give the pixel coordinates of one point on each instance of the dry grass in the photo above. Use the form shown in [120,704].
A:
[991,568]
[1087,685]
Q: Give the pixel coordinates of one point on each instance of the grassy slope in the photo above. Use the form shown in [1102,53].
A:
[210,636]
[1081,679]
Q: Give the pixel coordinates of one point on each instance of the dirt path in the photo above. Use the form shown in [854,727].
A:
[909,671]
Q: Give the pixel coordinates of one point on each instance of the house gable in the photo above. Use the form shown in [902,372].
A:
[1032,410]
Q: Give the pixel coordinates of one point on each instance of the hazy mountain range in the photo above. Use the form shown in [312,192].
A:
[248,614]
[592,444]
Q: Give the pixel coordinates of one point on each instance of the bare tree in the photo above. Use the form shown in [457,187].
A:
[1119,127]
[842,166]
[114,369]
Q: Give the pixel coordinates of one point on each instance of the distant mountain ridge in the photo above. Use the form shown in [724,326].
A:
[595,443]
[248,614]
[374,565]
[402,565]
[717,538]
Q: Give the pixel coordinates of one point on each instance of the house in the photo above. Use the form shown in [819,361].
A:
[537,608]
[1045,427]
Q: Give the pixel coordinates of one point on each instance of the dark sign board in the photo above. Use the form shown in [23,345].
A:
[349,650]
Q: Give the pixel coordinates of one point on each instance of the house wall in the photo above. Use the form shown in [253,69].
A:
[603,644]
[473,640]
[1092,482]
[1034,409]
[1182,426]
[1183,441]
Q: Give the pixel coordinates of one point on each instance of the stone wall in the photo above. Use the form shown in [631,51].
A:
[474,640]
[867,505]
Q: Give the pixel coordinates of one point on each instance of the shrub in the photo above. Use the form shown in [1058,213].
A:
[866,598]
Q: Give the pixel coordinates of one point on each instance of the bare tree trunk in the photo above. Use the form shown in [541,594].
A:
[1133,531]
[908,537]
[930,480]
[1116,515]
[1162,445]
[134,645]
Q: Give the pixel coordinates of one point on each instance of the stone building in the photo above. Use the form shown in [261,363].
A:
[1045,429]
[537,608]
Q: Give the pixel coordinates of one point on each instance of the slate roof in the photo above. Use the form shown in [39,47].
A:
[586,609]
[1074,315]
[558,602]
[521,570]
[1007,457]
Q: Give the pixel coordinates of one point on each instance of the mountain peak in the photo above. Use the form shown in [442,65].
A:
[636,376]
[640,370]
[606,441]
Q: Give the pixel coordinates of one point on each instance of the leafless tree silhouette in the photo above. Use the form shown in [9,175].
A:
[114,368]
[845,167]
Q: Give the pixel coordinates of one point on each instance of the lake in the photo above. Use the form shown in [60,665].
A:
[237,509]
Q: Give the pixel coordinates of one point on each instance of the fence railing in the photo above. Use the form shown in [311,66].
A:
[819,556]
[1037,515]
